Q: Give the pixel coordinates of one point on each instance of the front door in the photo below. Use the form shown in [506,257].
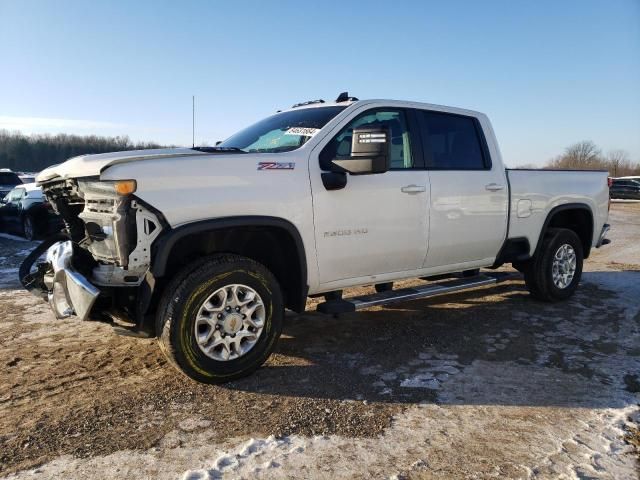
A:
[377,223]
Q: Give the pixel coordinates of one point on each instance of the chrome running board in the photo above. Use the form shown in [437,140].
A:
[353,304]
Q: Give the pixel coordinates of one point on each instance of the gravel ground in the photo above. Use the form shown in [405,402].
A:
[481,384]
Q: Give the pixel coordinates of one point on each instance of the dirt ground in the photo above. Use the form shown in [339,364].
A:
[481,384]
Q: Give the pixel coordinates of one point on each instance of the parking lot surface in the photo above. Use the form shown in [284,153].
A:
[481,384]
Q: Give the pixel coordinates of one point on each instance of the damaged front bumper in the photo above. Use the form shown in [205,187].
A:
[104,250]
[69,292]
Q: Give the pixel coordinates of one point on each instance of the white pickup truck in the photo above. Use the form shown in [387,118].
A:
[206,247]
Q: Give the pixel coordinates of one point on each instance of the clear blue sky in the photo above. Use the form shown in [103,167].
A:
[548,73]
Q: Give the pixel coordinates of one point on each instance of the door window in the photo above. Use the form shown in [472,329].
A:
[395,120]
[15,195]
[451,142]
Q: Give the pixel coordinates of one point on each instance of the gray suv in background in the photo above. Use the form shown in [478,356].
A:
[8,180]
[26,212]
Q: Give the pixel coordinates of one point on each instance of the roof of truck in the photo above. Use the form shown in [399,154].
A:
[395,103]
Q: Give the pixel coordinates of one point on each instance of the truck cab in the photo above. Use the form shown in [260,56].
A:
[445,179]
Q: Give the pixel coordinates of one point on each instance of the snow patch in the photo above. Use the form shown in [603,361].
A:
[423,380]
[429,370]
[8,236]
[8,277]
[254,456]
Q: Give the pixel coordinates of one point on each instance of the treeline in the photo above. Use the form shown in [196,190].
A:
[32,153]
[586,155]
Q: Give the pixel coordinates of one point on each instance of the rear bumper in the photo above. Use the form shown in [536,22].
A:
[69,291]
[602,240]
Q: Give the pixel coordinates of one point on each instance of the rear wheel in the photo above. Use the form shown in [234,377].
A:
[555,271]
[220,321]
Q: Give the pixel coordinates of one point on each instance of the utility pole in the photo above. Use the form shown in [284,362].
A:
[193,121]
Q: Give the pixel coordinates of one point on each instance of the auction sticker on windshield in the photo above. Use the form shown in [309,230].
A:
[302,131]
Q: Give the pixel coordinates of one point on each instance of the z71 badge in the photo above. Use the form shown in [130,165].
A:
[276,165]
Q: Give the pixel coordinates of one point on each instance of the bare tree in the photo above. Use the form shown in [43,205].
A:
[586,155]
[619,163]
[579,156]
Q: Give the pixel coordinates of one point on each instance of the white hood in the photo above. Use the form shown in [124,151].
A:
[93,165]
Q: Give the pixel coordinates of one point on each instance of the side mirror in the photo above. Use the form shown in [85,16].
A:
[369,151]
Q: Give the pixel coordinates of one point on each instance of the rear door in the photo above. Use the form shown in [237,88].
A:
[469,195]
[376,224]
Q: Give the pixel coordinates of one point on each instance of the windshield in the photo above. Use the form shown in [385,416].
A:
[282,132]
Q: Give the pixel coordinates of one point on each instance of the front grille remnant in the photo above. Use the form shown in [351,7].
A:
[66,202]
[112,234]
[99,206]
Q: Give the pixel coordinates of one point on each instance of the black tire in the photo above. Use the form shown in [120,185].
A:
[182,298]
[538,272]
[28,228]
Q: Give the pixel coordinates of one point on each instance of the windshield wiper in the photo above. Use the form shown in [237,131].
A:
[219,149]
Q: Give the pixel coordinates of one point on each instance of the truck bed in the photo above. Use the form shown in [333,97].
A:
[534,193]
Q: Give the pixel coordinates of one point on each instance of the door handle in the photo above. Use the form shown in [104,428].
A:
[493,187]
[413,189]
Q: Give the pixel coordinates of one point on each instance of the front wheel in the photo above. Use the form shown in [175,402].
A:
[28,228]
[221,320]
[555,271]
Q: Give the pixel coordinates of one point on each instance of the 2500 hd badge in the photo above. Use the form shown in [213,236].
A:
[346,233]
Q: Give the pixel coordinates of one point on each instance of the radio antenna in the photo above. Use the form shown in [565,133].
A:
[193,121]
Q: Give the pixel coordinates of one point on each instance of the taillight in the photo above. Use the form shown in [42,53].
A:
[609,182]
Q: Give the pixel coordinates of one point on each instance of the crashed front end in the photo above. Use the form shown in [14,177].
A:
[104,252]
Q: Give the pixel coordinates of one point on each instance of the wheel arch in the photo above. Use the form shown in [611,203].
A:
[577,217]
[274,242]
